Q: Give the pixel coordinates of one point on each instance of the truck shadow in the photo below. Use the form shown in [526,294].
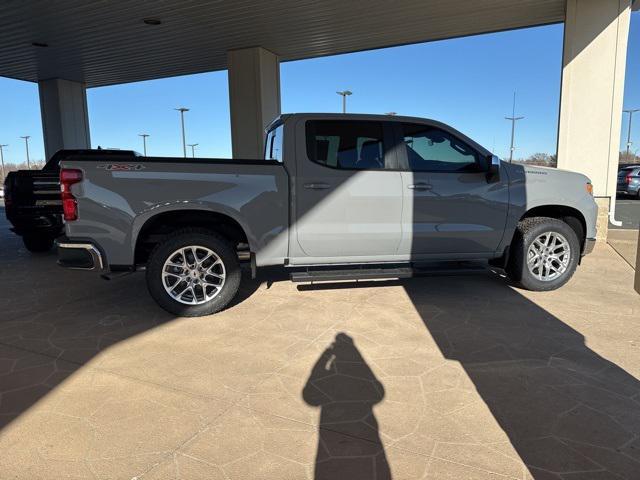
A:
[51,325]
[562,406]
[567,411]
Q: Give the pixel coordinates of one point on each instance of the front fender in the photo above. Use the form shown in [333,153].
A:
[536,187]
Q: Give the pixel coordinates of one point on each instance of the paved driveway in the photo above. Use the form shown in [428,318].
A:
[627,212]
[443,378]
[624,239]
[625,242]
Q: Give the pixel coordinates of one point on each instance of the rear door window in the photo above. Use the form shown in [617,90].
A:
[346,144]
[273,145]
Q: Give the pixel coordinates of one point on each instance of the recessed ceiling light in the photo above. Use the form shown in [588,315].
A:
[40,44]
[152,21]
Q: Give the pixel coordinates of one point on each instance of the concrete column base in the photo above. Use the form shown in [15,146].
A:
[602,222]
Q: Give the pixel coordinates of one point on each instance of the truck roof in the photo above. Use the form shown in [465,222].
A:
[354,116]
[380,118]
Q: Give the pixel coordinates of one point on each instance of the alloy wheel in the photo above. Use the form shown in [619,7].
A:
[548,256]
[193,275]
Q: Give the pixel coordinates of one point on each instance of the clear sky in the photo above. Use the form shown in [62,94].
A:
[466,82]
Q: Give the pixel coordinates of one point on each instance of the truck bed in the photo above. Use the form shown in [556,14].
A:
[119,194]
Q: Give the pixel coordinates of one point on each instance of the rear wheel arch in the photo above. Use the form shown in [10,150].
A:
[159,226]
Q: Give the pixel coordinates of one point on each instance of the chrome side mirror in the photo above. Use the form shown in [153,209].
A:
[493,169]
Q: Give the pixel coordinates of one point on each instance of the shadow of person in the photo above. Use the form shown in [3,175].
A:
[568,412]
[344,387]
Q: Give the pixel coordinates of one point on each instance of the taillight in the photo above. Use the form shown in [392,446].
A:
[628,178]
[69,176]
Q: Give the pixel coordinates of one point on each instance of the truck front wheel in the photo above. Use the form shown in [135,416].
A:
[193,272]
[544,254]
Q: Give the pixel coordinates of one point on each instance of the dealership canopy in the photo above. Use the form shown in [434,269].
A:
[116,41]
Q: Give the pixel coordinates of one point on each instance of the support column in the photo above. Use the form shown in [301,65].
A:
[65,121]
[637,277]
[594,61]
[254,98]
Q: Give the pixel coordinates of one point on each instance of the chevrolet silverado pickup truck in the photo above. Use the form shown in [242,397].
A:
[335,197]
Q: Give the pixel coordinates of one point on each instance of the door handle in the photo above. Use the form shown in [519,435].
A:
[317,186]
[420,186]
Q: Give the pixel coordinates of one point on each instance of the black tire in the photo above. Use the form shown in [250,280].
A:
[189,237]
[37,243]
[527,231]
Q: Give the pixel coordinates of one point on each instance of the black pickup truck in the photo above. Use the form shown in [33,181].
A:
[33,204]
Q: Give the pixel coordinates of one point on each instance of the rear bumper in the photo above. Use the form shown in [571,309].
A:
[589,244]
[79,255]
[24,223]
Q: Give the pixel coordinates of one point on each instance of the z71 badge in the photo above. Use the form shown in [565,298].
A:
[121,167]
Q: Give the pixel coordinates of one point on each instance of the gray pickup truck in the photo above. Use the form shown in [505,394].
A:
[335,197]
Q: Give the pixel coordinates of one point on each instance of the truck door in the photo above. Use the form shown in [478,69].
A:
[450,207]
[348,201]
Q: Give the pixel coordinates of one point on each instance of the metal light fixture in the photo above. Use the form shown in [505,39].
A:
[184,141]
[344,94]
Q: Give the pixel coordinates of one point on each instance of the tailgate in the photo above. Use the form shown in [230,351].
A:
[33,193]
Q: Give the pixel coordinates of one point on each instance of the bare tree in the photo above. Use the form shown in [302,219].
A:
[629,159]
[542,159]
[12,167]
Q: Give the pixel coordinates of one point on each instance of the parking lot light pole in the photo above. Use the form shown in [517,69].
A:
[513,120]
[144,142]
[630,111]
[2,157]
[26,144]
[184,141]
[193,149]
[344,94]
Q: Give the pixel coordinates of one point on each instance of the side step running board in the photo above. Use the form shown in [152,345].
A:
[385,273]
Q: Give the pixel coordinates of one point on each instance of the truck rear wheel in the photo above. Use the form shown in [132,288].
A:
[37,243]
[544,254]
[193,272]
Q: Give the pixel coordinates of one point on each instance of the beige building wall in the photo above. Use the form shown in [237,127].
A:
[594,60]
[637,278]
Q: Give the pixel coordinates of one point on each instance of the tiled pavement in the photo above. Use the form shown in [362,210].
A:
[625,242]
[439,378]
